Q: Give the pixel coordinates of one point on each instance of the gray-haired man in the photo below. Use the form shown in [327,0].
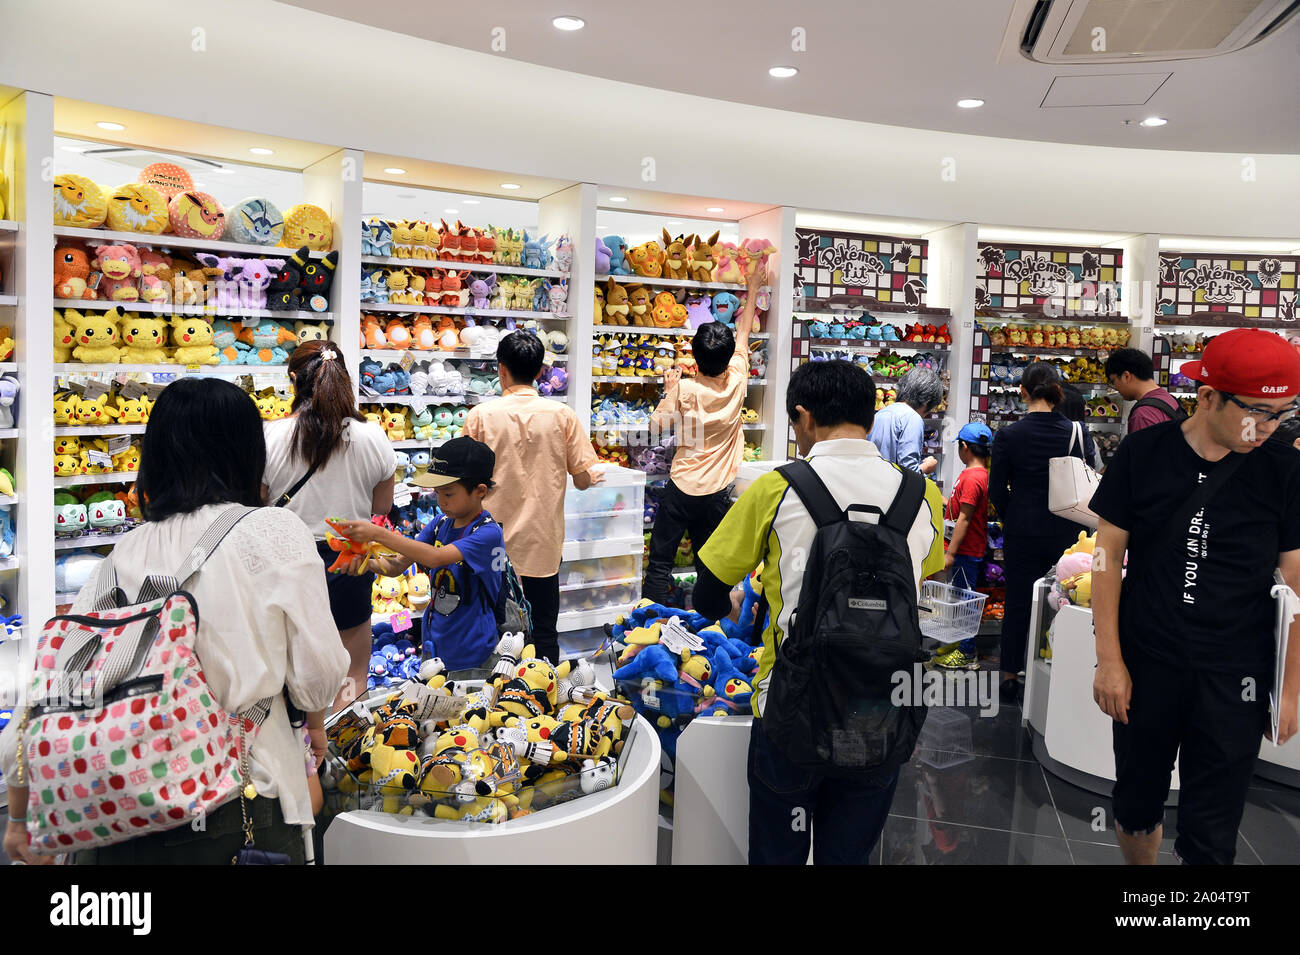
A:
[898,432]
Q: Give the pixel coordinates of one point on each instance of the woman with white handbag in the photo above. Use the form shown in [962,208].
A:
[1033,536]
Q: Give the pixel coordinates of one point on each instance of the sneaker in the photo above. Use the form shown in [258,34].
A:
[955,659]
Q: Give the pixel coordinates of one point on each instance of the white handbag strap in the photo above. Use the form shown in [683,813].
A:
[1076,434]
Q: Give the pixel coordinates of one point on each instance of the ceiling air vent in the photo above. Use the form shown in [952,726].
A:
[1134,31]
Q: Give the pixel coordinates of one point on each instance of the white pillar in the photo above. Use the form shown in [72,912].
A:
[952,286]
[777,226]
[335,183]
[572,211]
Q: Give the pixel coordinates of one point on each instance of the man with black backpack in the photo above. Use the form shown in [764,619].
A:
[1131,373]
[845,538]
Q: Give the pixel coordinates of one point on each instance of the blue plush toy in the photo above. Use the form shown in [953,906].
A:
[255,221]
[617,246]
[731,690]
[889,334]
[724,308]
[536,254]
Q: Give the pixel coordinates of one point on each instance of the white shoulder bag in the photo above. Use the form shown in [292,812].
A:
[1071,483]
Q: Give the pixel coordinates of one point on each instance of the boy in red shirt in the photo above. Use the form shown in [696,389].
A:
[968,509]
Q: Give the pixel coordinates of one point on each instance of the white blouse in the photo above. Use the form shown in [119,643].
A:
[264,625]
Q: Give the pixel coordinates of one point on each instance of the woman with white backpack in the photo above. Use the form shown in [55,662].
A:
[250,599]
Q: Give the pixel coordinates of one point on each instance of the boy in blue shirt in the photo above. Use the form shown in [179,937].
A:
[464,552]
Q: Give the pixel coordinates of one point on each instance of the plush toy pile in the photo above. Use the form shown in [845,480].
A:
[95,513]
[630,355]
[1188,343]
[683,257]
[675,665]
[874,330]
[1098,338]
[1073,574]
[531,736]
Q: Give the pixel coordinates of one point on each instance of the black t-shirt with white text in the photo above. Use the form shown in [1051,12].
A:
[1204,601]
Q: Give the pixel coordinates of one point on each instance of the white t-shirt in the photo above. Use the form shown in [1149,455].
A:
[343,488]
[264,625]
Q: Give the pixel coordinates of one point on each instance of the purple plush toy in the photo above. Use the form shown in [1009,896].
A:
[480,291]
[602,258]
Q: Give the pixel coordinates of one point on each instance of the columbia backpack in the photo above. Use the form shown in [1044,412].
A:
[1173,414]
[122,736]
[828,706]
[513,612]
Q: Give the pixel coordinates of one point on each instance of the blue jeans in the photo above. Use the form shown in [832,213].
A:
[966,571]
[785,800]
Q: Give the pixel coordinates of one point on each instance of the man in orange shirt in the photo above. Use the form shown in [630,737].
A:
[705,412]
[537,441]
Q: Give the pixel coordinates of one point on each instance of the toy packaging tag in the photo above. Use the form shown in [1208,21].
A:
[402,495]
[94,280]
[93,389]
[648,695]
[250,321]
[119,444]
[266,392]
[431,705]
[77,387]
[153,389]
[407,361]
[100,458]
[400,622]
[246,382]
[131,389]
[674,637]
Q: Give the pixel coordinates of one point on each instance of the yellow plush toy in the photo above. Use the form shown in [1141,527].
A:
[65,407]
[386,594]
[63,340]
[192,337]
[78,202]
[96,411]
[95,336]
[128,460]
[68,463]
[305,224]
[133,410]
[143,339]
[136,207]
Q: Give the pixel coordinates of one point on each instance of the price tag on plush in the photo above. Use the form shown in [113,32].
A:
[430,704]
[153,389]
[119,444]
[406,361]
[402,495]
[93,389]
[250,321]
[674,637]
[400,621]
[100,459]
[131,389]
[649,696]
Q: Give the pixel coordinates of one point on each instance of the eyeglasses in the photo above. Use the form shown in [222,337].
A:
[1262,414]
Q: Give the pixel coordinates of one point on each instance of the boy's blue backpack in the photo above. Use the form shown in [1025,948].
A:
[512,611]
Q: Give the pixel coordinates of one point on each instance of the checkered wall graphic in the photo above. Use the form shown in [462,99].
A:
[1259,287]
[889,268]
[1014,276]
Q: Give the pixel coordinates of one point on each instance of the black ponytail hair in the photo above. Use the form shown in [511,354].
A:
[323,399]
[1042,381]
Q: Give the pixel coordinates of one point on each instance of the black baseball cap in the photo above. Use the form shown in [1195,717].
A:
[459,459]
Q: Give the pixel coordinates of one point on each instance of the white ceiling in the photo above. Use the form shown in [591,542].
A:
[895,62]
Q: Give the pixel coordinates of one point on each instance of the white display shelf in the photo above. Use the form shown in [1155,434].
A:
[754,427]
[488,313]
[8,225]
[652,330]
[671,283]
[614,547]
[203,311]
[108,237]
[98,430]
[10,433]
[598,584]
[419,401]
[8,564]
[8,500]
[64,599]
[87,541]
[572,620]
[467,266]
[633,379]
[458,354]
[8,300]
[419,445]
[75,368]
[112,477]
[865,345]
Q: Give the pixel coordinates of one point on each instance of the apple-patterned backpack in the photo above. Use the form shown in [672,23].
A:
[122,736]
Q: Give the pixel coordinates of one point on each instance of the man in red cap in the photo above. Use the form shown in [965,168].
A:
[1206,509]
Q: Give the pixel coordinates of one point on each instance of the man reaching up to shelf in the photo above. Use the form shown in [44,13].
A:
[1186,653]
[705,412]
[1131,373]
[537,442]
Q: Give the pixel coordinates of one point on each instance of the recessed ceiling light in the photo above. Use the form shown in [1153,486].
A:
[451,212]
[1154,121]
[112,126]
[568,23]
[618,198]
[260,151]
[469,202]
[395,170]
[782,72]
[970,103]
[510,185]
[715,209]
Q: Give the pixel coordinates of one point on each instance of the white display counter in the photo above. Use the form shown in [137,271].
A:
[1071,735]
[617,826]
[711,792]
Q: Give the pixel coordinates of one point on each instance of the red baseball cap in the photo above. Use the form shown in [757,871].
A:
[1249,362]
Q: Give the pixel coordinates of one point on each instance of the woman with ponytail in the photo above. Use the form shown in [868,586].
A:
[1033,537]
[326,460]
